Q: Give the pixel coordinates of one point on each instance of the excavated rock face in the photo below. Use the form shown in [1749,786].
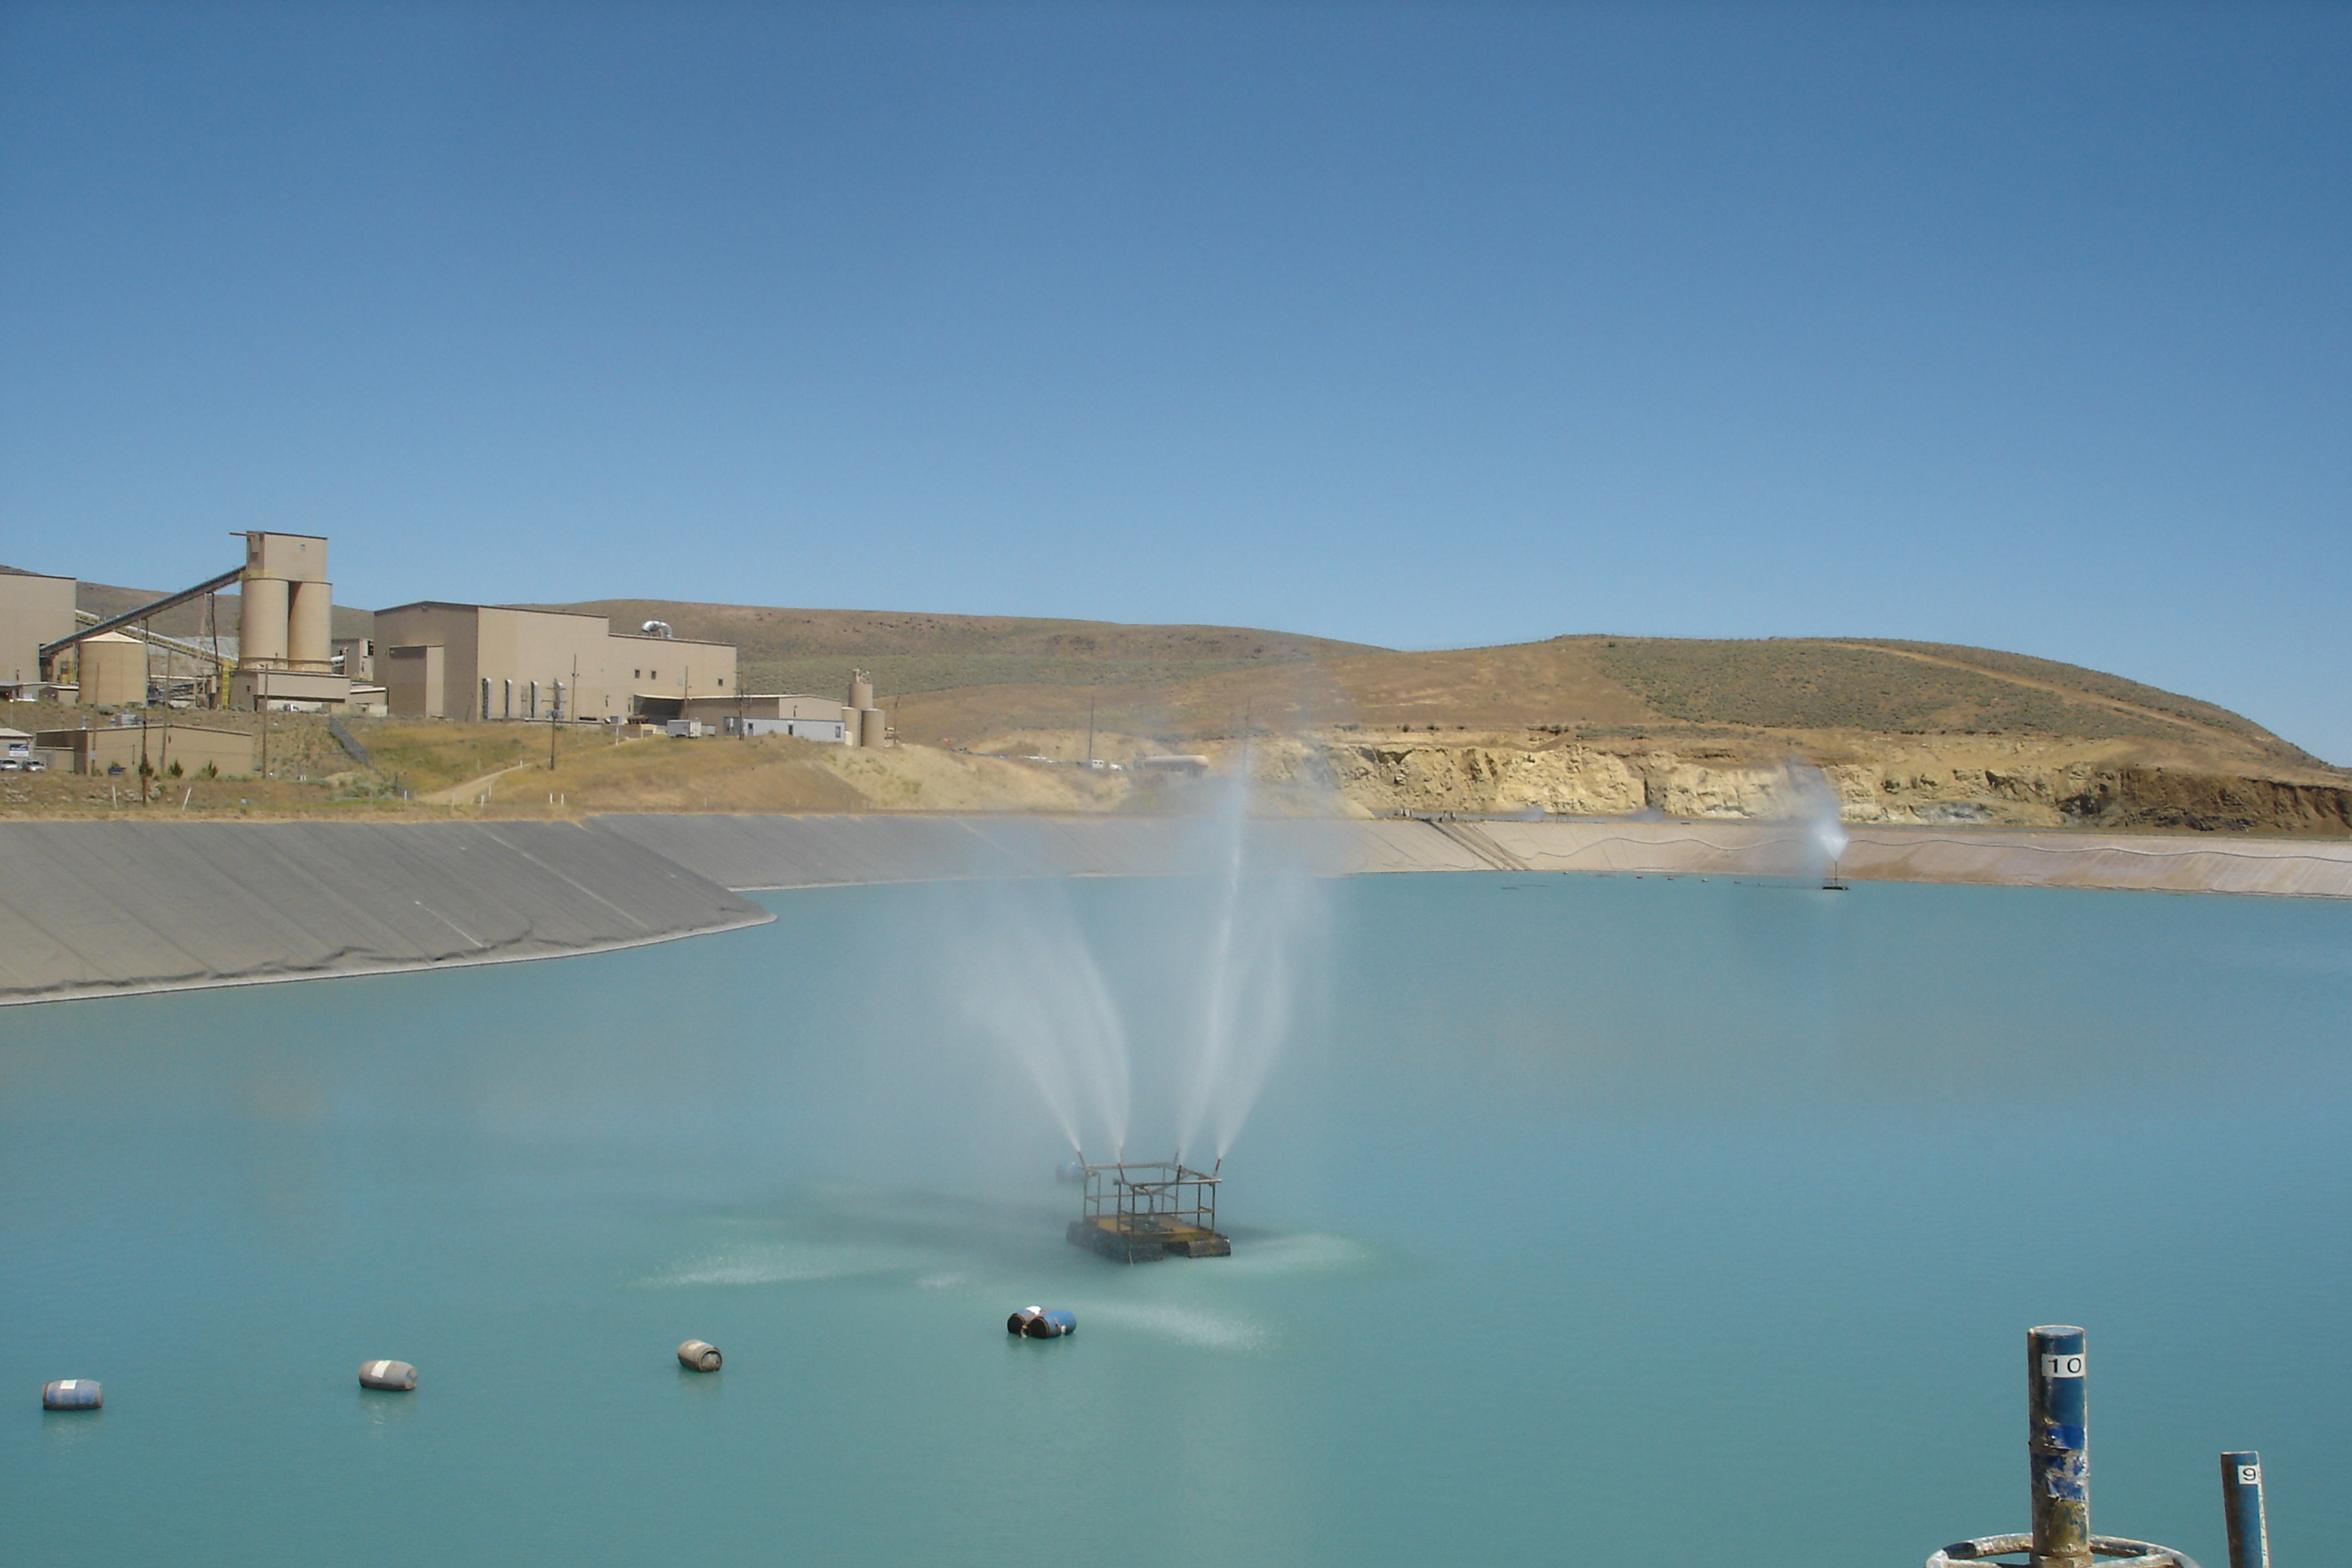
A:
[2162,797]
[2016,790]
[1569,781]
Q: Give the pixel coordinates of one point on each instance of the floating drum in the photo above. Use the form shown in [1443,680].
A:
[72,1394]
[1038,1323]
[696,1356]
[1070,1170]
[392,1376]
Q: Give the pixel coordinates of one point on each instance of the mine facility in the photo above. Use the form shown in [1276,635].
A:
[435,658]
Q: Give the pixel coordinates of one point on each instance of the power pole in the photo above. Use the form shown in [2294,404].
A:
[1090,729]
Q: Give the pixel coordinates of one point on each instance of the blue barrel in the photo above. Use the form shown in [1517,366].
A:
[390,1376]
[1057,1323]
[72,1394]
[1069,1171]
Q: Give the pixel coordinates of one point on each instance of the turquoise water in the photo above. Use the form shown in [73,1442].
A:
[1586,1220]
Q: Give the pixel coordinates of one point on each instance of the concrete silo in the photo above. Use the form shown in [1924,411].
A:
[113,670]
[862,723]
[286,650]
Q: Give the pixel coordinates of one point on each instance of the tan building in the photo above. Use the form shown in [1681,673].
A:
[492,662]
[193,747]
[34,610]
[757,713]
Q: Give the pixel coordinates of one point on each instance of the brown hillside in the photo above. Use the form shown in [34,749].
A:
[909,651]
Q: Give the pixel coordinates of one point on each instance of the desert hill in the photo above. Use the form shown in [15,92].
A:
[989,711]
[808,650]
[969,674]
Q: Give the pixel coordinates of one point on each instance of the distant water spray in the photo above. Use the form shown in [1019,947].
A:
[1264,912]
[1824,838]
[1210,1000]
[1031,983]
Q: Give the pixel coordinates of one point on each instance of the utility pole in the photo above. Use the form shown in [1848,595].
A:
[1090,729]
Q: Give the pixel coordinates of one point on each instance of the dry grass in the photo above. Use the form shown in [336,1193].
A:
[425,755]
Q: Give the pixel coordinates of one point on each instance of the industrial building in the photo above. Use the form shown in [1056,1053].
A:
[856,722]
[121,747]
[285,653]
[753,713]
[35,610]
[286,627]
[495,661]
[435,658]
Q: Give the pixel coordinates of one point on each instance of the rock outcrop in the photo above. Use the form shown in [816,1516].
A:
[1989,782]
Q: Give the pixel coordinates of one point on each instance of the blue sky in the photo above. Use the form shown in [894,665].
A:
[1423,325]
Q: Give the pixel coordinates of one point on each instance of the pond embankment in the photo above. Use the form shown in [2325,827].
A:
[763,852]
[109,907]
[92,909]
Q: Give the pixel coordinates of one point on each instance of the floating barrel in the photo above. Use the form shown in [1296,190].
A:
[72,1394]
[697,1355]
[1038,1323]
[1069,1171]
[392,1376]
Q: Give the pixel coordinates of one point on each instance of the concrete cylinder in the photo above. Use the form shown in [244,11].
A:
[311,625]
[113,670]
[849,726]
[698,1355]
[870,727]
[261,621]
[861,690]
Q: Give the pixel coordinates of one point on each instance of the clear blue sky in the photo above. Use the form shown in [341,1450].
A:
[2021,325]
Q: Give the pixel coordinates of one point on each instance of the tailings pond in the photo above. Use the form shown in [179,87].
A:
[1611,1221]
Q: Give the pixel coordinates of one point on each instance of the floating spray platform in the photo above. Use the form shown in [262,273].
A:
[1137,1213]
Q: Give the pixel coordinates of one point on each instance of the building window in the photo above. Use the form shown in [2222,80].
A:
[636,675]
[722,680]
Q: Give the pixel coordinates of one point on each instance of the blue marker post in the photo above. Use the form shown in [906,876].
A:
[2060,1442]
[2241,1500]
[2058,1446]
